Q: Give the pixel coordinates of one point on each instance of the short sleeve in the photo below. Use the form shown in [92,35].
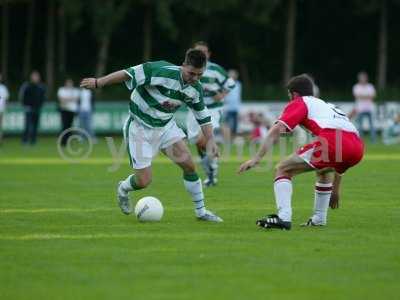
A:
[373,91]
[355,90]
[225,82]
[6,94]
[198,108]
[294,113]
[139,75]
[60,93]
[229,84]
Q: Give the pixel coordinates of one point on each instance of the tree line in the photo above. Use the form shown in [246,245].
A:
[267,40]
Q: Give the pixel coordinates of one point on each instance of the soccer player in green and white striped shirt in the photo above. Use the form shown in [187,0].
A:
[216,85]
[158,90]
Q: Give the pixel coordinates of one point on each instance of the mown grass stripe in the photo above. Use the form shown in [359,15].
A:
[104,161]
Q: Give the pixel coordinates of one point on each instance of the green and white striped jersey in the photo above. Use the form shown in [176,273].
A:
[154,83]
[215,79]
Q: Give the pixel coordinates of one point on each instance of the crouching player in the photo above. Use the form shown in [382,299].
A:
[336,148]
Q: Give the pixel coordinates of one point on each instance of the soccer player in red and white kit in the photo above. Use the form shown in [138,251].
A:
[336,148]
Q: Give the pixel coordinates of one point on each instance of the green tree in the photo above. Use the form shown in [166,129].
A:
[4,39]
[256,13]
[62,39]
[105,19]
[290,40]
[379,7]
[70,16]
[30,31]
[235,20]
[382,46]
[50,40]
[160,11]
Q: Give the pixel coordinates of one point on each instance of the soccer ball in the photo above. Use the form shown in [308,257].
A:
[149,209]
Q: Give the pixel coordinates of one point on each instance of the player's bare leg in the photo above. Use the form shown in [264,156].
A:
[322,196]
[209,164]
[202,151]
[180,154]
[283,190]
[137,181]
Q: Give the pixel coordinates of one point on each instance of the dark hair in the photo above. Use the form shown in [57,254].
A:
[195,58]
[301,84]
[201,43]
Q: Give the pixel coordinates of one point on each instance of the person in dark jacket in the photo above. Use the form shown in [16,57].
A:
[32,94]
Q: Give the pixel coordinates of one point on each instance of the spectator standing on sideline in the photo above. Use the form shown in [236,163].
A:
[32,94]
[68,98]
[233,101]
[85,111]
[4,95]
[364,94]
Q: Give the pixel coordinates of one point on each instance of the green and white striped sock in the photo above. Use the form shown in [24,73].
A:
[193,185]
[129,184]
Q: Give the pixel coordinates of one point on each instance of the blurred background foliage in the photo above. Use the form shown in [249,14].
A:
[266,40]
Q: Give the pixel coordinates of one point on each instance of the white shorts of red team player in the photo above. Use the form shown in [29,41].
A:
[337,144]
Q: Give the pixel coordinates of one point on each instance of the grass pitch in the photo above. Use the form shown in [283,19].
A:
[63,237]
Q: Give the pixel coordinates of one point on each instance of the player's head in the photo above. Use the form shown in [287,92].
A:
[35,77]
[69,82]
[362,77]
[234,74]
[301,85]
[193,66]
[203,46]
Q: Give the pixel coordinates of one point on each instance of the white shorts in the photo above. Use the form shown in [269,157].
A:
[143,143]
[193,128]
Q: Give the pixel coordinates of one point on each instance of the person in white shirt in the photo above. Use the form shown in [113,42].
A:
[85,111]
[68,98]
[4,95]
[364,94]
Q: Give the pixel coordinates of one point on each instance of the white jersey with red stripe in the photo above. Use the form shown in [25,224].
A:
[314,115]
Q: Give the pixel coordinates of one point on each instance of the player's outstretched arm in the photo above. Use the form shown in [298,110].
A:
[334,201]
[271,139]
[94,83]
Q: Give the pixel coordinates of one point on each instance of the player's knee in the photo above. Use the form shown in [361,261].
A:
[279,168]
[282,169]
[189,167]
[325,176]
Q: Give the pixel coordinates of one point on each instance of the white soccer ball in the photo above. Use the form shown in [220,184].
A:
[149,209]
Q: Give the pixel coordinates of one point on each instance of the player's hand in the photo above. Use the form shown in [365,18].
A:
[248,165]
[89,83]
[219,96]
[334,201]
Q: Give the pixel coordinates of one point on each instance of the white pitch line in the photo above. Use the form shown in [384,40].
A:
[53,210]
[52,236]
[133,235]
